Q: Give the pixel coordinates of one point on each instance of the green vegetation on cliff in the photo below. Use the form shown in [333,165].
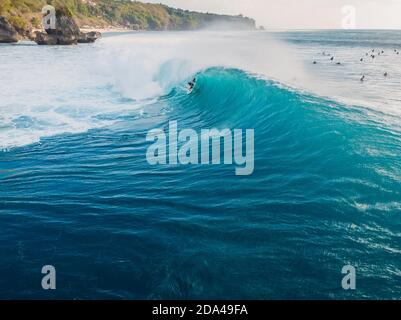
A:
[25,14]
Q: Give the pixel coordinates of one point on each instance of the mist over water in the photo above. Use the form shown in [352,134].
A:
[148,65]
[56,90]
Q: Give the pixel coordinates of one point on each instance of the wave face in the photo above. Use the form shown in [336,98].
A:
[325,193]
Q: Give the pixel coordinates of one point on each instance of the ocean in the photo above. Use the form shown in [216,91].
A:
[77,192]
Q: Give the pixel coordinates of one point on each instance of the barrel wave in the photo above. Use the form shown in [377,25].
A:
[325,193]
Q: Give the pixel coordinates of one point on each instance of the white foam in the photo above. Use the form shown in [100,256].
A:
[149,64]
[47,91]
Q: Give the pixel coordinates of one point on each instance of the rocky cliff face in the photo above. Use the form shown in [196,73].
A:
[89,37]
[66,33]
[8,34]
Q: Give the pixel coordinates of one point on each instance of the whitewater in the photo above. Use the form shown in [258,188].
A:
[50,91]
[77,191]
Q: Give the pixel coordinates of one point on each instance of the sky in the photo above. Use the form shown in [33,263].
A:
[304,14]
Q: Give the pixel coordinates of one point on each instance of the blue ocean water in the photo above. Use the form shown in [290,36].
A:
[77,192]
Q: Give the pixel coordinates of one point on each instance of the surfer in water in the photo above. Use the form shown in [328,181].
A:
[191,84]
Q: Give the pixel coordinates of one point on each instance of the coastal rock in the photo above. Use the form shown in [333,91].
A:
[8,34]
[66,33]
[42,38]
[89,37]
[66,26]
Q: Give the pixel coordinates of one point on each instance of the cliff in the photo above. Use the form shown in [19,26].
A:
[25,15]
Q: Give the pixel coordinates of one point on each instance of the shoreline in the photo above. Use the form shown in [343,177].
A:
[94,29]
[105,30]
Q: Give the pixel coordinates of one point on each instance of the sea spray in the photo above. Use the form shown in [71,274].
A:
[149,65]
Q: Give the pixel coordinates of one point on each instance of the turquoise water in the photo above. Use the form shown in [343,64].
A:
[77,192]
